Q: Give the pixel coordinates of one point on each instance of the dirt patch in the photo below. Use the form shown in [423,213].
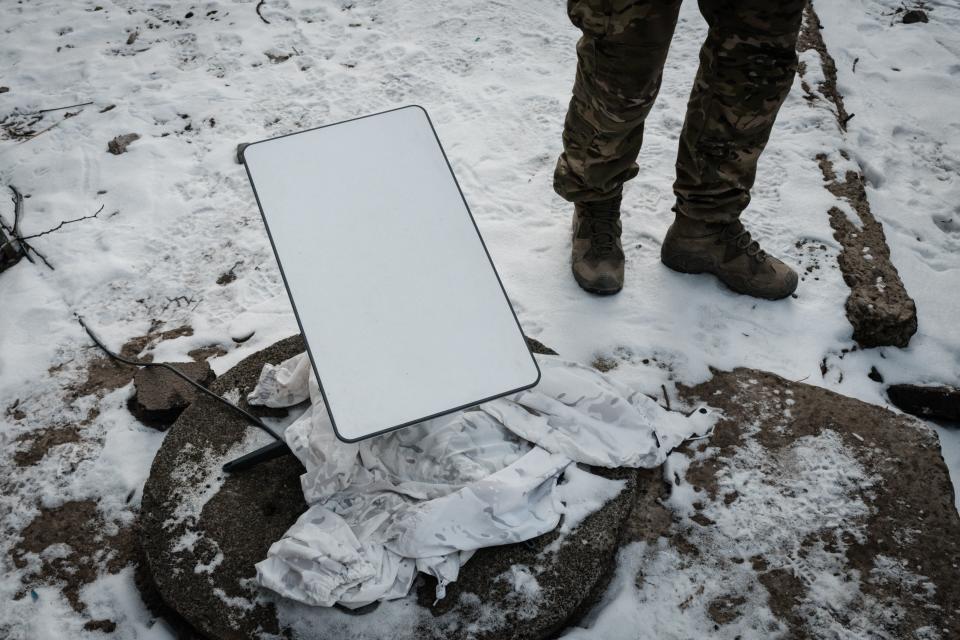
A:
[726,609]
[604,364]
[106,626]
[105,374]
[786,592]
[81,549]
[202,354]
[34,445]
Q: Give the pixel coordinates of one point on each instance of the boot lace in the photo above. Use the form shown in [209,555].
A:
[735,234]
[603,236]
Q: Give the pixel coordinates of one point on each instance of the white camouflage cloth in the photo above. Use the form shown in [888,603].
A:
[424,498]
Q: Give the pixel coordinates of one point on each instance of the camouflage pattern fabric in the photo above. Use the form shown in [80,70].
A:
[421,499]
[747,66]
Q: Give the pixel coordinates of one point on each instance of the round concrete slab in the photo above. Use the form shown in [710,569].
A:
[203,531]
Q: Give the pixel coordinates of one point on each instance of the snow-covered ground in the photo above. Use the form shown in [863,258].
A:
[199,77]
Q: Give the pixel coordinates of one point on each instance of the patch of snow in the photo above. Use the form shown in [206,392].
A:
[525,595]
[583,493]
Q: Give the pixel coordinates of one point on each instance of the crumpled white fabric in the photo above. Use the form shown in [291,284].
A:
[424,498]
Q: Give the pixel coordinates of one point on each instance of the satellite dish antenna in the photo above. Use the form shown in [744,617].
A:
[401,308]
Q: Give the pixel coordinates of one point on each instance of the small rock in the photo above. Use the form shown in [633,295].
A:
[726,609]
[243,336]
[875,375]
[915,15]
[4,89]
[119,144]
[940,402]
[276,57]
[161,396]
[106,626]
[604,364]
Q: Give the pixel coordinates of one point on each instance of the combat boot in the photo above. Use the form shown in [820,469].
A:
[727,251]
[597,253]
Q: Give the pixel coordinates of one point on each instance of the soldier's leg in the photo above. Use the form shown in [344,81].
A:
[619,63]
[747,66]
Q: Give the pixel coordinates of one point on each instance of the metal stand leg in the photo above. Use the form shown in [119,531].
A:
[248,460]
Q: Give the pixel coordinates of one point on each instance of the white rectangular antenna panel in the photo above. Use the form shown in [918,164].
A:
[402,311]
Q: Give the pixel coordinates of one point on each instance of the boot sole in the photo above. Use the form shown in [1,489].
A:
[589,288]
[695,264]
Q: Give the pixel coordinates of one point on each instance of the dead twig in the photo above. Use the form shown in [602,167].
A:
[41,256]
[69,106]
[189,303]
[259,6]
[42,131]
[59,226]
[22,246]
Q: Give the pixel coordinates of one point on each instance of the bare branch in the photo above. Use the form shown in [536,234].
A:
[39,255]
[59,226]
[69,106]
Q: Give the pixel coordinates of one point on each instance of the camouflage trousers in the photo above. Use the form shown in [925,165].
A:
[747,66]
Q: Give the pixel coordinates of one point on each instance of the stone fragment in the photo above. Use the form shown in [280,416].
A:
[940,402]
[913,16]
[879,308]
[119,144]
[161,396]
